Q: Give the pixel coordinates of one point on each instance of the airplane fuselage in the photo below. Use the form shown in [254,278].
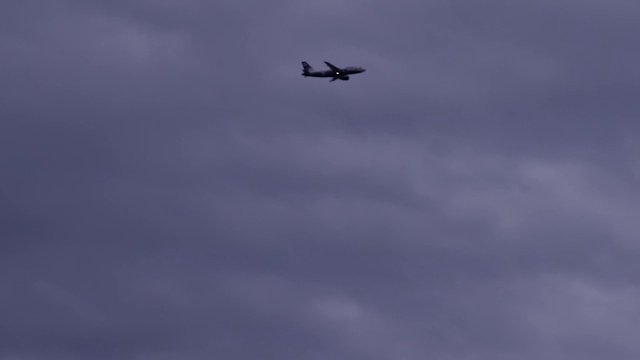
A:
[334,73]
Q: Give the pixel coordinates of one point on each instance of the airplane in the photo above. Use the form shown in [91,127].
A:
[335,73]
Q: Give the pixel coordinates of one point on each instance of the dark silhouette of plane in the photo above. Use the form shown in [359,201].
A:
[335,73]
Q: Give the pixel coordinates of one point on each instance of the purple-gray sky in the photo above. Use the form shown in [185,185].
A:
[172,188]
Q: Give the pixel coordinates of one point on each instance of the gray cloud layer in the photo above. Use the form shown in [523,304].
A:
[172,188]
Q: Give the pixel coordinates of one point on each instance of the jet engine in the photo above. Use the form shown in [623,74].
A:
[345,78]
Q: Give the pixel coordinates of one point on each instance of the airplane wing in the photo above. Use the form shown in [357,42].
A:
[333,67]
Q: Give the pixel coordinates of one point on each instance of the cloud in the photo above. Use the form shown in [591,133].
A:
[173,188]
[573,316]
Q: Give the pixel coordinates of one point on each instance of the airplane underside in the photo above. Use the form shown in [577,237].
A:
[335,73]
[333,77]
[344,78]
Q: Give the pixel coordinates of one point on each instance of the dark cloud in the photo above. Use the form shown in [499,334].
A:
[172,187]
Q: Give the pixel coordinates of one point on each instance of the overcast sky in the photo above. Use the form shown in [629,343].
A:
[172,188]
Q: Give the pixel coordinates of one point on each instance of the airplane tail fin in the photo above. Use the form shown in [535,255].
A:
[306,68]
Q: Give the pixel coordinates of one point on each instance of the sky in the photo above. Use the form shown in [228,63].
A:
[172,188]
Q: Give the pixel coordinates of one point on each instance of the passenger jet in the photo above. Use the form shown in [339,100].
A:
[335,73]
